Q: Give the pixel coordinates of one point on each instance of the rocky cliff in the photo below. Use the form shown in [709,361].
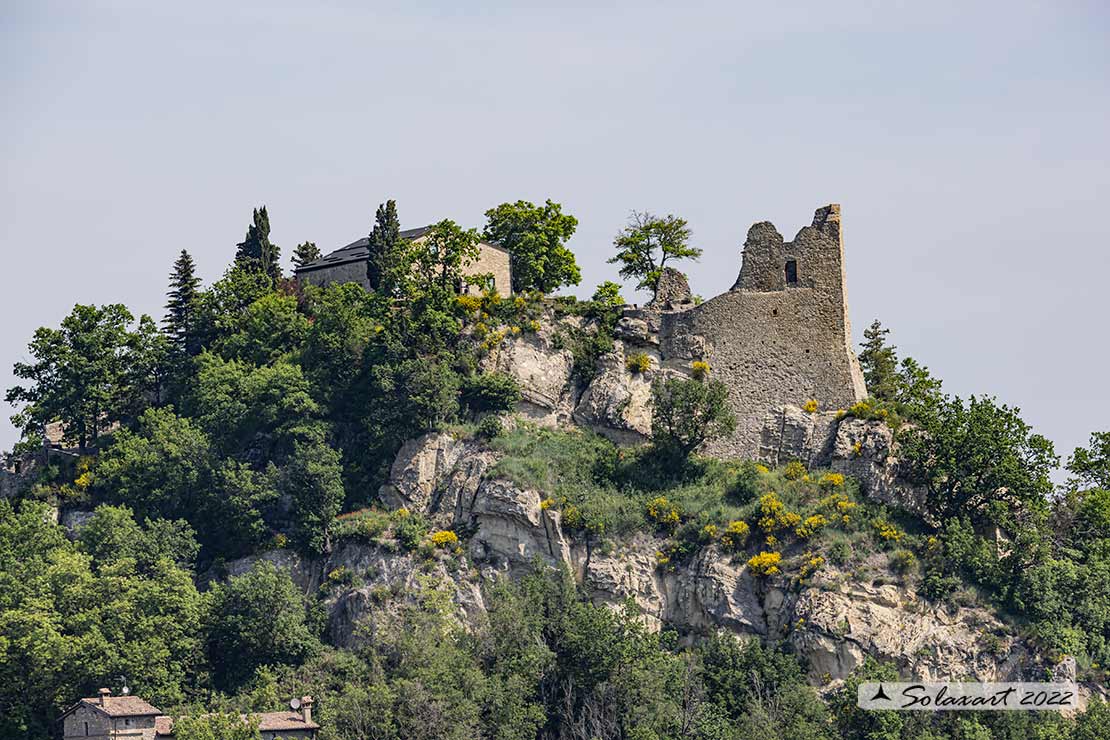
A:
[835,619]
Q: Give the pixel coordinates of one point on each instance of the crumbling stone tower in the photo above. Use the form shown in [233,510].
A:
[780,336]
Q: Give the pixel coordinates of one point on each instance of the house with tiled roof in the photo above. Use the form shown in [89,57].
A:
[348,264]
[107,717]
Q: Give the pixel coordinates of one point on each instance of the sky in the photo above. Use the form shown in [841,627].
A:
[968,143]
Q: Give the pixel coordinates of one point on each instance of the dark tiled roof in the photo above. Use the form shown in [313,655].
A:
[359,250]
[356,251]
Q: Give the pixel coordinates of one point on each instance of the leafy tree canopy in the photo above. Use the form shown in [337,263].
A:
[647,243]
[535,237]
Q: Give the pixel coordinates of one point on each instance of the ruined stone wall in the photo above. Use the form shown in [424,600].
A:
[771,340]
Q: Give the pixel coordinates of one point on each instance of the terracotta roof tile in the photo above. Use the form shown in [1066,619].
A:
[123,706]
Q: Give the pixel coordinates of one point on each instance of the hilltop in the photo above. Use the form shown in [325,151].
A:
[448,510]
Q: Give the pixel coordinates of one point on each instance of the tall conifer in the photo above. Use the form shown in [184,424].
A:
[180,321]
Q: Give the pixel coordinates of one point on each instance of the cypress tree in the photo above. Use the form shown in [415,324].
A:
[305,253]
[385,262]
[256,251]
[879,362]
[179,323]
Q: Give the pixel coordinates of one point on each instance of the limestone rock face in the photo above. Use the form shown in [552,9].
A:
[544,374]
[617,403]
[866,450]
[513,530]
[73,520]
[836,630]
[862,449]
[421,466]
[383,581]
[789,433]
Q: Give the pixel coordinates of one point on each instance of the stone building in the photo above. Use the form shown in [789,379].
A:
[107,717]
[348,265]
[780,336]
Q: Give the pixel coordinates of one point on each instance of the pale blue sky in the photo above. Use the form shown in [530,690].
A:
[967,143]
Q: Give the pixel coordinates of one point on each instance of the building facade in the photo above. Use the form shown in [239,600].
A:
[107,717]
[348,264]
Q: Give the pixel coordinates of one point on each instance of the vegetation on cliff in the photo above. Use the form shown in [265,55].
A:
[265,414]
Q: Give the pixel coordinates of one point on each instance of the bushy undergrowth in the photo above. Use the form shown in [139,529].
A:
[610,492]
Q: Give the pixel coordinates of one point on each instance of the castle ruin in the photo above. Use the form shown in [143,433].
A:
[780,336]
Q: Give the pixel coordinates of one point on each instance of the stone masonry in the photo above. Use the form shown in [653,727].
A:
[779,336]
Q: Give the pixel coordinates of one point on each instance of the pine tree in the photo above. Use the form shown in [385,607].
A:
[179,323]
[305,253]
[879,362]
[256,251]
[386,267]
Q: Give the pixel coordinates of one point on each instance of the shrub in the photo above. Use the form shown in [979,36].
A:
[490,392]
[794,471]
[832,480]
[469,303]
[887,531]
[775,517]
[663,513]
[811,565]
[735,535]
[687,413]
[810,525]
[638,362]
[490,427]
[444,538]
[810,406]
[765,563]
[699,369]
[903,561]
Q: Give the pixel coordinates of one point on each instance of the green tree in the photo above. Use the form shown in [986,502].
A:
[88,374]
[647,243]
[312,477]
[304,253]
[223,306]
[978,458]
[879,362]
[111,534]
[167,468]
[217,726]
[180,322]
[1090,465]
[69,624]
[687,413]
[440,258]
[388,268]
[535,237]
[608,295]
[256,252]
[271,328]
[256,619]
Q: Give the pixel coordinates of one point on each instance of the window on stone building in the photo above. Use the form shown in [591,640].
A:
[792,272]
[86,729]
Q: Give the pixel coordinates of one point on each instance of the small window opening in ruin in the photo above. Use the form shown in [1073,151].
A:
[792,272]
[86,729]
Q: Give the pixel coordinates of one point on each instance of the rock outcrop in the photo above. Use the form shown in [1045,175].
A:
[834,620]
